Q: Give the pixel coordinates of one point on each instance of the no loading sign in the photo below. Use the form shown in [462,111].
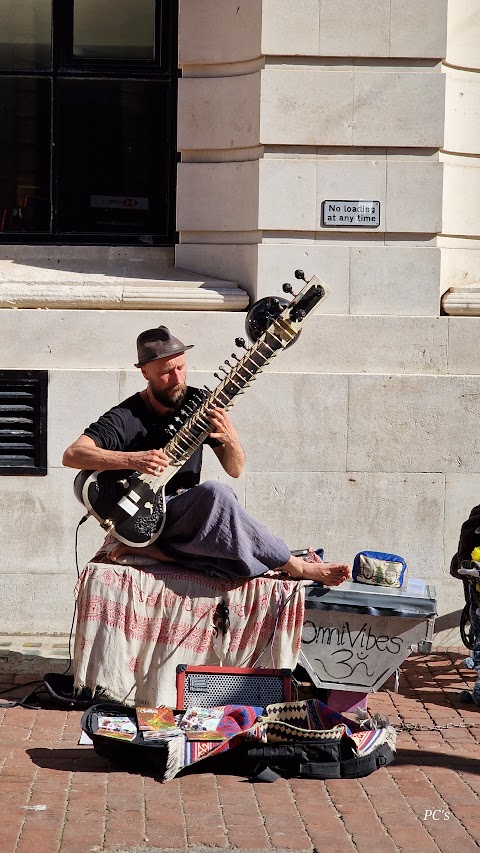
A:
[350,214]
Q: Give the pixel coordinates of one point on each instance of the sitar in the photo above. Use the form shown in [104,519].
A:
[132,506]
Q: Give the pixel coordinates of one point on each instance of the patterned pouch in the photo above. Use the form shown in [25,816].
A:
[287,722]
[379,569]
[277,732]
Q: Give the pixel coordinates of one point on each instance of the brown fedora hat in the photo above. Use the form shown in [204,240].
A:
[158,343]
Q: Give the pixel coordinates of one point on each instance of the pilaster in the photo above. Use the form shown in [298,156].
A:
[461,157]
[302,103]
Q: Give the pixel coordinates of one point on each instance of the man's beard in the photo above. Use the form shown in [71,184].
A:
[171,398]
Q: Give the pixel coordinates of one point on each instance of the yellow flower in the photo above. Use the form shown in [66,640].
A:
[476,554]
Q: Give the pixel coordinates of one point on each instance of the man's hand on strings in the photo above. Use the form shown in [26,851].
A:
[148,461]
[223,429]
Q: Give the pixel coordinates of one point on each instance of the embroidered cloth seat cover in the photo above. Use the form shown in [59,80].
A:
[134,626]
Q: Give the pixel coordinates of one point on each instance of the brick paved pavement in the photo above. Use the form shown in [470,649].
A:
[58,797]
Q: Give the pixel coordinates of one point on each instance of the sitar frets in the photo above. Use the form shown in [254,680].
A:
[188,434]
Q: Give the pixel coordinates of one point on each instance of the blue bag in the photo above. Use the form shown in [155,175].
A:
[379,569]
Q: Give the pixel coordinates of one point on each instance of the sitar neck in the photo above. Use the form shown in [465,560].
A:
[192,434]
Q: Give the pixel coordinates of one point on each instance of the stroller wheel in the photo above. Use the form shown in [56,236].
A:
[466,630]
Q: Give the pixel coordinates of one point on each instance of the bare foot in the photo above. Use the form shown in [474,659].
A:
[328,574]
[152,551]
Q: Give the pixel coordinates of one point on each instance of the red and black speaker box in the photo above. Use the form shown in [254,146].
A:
[207,686]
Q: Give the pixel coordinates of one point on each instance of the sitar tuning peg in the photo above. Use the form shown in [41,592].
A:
[240,342]
[287,288]
[235,356]
[300,275]
[217,376]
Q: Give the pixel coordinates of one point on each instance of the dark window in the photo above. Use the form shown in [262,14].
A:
[87,121]
[23,422]
[25,109]
[110,177]
[124,29]
[25,35]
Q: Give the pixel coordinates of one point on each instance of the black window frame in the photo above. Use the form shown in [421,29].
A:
[162,68]
[64,61]
[37,382]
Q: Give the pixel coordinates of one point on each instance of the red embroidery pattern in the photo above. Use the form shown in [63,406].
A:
[135,627]
[221,587]
[253,618]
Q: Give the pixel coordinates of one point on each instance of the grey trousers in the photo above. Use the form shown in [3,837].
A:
[207,529]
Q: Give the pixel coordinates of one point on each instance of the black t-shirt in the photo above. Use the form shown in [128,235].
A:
[131,426]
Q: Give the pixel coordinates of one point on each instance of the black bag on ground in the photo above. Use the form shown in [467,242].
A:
[136,754]
[315,759]
[307,739]
[150,757]
[325,758]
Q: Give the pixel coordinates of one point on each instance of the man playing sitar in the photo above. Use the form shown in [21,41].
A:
[202,525]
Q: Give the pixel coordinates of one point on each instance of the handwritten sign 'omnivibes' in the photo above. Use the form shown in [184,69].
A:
[350,214]
[356,651]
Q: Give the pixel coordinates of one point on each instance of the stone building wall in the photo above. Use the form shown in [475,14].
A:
[281,107]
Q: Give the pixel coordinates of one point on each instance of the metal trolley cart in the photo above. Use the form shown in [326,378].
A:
[355,636]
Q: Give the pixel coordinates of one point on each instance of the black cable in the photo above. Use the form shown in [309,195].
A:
[16,686]
[82,521]
[22,703]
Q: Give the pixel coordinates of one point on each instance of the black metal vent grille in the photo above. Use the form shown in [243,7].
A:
[23,422]
[209,689]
